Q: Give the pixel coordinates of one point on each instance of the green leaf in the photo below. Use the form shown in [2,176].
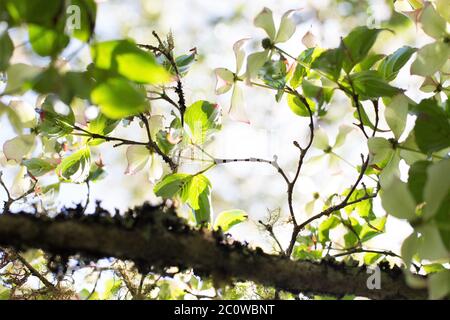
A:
[255,61]
[364,208]
[31,11]
[390,169]
[439,285]
[326,226]
[411,156]
[119,98]
[5,293]
[442,219]
[350,238]
[162,139]
[409,248]
[196,193]
[38,167]
[417,177]
[76,84]
[369,84]
[47,41]
[432,23]
[101,125]
[330,63]
[368,62]
[273,73]
[124,58]
[318,94]
[203,119]
[379,149]
[391,65]
[432,128]
[398,201]
[20,78]
[6,50]
[297,106]
[171,184]
[75,168]
[430,58]
[184,62]
[431,246]
[49,81]
[443,9]
[356,45]
[437,187]
[433,267]
[96,173]
[370,258]
[305,58]
[372,229]
[67,86]
[57,118]
[226,219]
[396,112]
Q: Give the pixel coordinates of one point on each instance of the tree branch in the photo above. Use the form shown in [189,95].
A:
[155,238]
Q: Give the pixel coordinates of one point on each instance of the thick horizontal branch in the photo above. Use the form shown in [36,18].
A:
[154,238]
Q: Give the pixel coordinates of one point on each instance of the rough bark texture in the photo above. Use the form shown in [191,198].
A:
[154,238]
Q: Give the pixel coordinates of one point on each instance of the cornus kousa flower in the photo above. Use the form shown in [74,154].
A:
[321,142]
[264,20]
[138,156]
[227,79]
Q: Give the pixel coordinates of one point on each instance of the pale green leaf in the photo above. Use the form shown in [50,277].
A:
[391,65]
[171,184]
[356,45]
[203,119]
[6,50]
[430,58]
[432,23]
[75,168]
[379,149]
[396,113]
[439,284]
[227,219]
[437,186]
[38,167]
[255,61]
[397,201]
[369,84]
[431,246]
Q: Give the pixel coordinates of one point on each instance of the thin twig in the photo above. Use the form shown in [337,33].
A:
[33,271]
